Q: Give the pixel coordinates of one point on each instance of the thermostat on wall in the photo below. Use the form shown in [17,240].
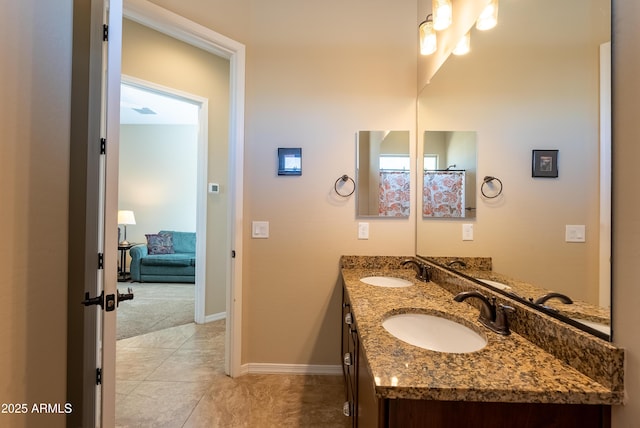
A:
[214,188]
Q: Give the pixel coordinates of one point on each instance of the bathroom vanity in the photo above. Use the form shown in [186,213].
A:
[545,373]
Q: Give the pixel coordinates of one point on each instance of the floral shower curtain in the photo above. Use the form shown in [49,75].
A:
[394,196]
[443,194]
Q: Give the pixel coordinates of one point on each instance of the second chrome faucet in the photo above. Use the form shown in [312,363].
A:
[491,316]
[422,269]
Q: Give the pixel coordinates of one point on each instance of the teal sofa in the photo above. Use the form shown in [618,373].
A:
[178,264]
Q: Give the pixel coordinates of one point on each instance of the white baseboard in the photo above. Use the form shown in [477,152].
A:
[297,369]
[215,317]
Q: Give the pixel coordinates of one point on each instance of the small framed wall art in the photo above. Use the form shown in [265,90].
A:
[544,163]
[289,161]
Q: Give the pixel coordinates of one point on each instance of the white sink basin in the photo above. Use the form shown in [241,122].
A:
[386,281]
[434,333]
[496,284]
[603,328]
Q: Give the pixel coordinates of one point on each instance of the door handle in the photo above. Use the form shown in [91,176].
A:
[89,301]
[125,296]
[109,301]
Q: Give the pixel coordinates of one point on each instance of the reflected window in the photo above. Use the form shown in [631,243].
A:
[430,162]
[394,163]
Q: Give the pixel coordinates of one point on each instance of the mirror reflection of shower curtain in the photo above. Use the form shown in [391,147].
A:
[443,194]
[394,197]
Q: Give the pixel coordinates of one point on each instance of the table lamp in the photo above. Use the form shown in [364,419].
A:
[125,217]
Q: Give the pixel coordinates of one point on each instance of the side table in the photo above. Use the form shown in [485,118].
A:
[123,274]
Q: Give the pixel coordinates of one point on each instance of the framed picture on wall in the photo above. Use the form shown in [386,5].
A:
[289,161]
[544,163]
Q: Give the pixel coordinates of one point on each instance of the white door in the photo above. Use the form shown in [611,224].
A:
[102,198]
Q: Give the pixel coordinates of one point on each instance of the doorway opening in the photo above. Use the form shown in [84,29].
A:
[161,140]
[179,28]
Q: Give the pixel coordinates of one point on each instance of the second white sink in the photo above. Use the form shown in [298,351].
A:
[496,284]
[386,281]
[434,333]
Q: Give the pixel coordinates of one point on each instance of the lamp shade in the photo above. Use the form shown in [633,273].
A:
[126,217]
[428,42]
[442,14]
[489,16]
[464,45]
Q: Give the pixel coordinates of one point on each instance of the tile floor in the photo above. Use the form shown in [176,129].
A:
[175,378]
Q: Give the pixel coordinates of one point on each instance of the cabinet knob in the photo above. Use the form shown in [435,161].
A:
[346,408]
[348,319]
[347,359]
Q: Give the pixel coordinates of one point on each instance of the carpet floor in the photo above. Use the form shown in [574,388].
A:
[155,306]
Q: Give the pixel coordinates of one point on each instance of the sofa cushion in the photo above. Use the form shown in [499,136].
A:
[161,243]
[183,242]
[182,259]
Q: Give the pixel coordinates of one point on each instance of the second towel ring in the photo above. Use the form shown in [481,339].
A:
[486,182]
[344,179]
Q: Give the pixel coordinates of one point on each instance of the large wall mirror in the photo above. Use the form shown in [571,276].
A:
[537,81]
[383,174]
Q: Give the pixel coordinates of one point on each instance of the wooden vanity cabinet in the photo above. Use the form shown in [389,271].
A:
[350,353]
[366,410]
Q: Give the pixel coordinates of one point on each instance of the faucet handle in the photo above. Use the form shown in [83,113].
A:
[501,324]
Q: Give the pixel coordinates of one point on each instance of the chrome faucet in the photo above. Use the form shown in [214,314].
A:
[492,317]
[542,299]
[422,269]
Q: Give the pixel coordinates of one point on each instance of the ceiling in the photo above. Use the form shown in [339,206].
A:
[141,106]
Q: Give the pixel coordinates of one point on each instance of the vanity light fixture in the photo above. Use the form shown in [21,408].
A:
[442,14]
[464,45]
[489,16]
[428,43]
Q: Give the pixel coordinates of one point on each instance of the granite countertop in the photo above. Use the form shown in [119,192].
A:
[577,309]
[507,369]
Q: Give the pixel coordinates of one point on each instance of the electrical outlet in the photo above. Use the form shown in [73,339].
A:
[363,230]
[467,232]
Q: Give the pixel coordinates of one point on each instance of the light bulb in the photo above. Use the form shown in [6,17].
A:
[428,42]
[442,14]
[464,45]
[489,16]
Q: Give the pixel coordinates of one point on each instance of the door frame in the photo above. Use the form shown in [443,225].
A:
[178,27]
[201,180]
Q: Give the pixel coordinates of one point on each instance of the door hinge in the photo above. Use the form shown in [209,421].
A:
[233,254]
[105,32]
[103,146]
[100,261]
[98,376]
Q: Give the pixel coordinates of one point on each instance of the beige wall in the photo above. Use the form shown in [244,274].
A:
[157,178]
[154,57]
[315,76]
[519,99]
[626,202]
[34,177]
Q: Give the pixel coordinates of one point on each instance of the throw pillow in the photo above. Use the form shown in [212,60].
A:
[161,243]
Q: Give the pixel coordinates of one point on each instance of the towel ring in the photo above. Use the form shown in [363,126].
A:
[344,179]
[487,180]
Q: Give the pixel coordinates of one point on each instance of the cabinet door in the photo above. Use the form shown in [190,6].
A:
[349,359]
[370,408]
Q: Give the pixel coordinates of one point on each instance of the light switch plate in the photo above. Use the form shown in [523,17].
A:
[260,229]
[467,232]
[575,233]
